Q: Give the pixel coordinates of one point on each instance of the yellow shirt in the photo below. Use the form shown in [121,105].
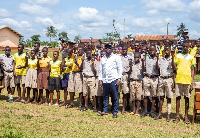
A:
[193,51]
[161,51]
[79,60]
[68,61]
[93,51]
[20,60]
[131,50]
[32,63]
[55,69]
[43,62]
[184,64]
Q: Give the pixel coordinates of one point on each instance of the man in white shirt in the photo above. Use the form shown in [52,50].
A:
[110,73]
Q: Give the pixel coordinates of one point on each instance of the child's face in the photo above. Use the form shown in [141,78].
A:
[103,53]
[69,51]
[185,47]
[137,46]
[55,55]
[136,57]
[88,54]
[20,48]
[167,50]
[32,54]
[144,49]
[45,52]
[152,51]
[80,51]
[63,45]
[36,47]
[124,50]
[7,51]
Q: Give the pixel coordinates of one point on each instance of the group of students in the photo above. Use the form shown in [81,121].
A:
[147,74]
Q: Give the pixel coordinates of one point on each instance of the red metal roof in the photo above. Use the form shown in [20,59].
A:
[153,37]
[88,40]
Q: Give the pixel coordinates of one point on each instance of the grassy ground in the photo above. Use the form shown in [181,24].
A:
[20,120]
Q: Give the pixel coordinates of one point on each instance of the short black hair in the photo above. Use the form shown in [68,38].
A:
[124,45]
[56,52]
[22,45]
[7,47]
[185,42]
[37,43]
[168,45]
[89,49]
[45,48]
[33,51]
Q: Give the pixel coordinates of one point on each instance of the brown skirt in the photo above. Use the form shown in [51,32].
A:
[42,80]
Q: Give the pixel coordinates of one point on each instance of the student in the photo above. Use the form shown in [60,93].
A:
[165,83]
[150,80]
[67,69]
[193,49]
[99,90]
[31,77]
[136,76]
[19,71]
[88,79]
[55,80]
[43,75]
[131,49]
[184,65]
[75,83]
[125,75]
[7,64]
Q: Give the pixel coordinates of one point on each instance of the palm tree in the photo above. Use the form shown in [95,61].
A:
[180,29]
[51,32]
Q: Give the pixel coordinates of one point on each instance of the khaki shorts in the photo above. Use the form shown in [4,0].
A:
[75,83]
[124,84]
[99,90]
[9,79]
[89,86]
[150,86]
[164,87]
[135,90]
[182,90]
[19,78]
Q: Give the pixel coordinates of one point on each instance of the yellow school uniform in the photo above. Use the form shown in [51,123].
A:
[20,60]
[43,62]
[68,61]
[131,50]
[55,68]
[32,63]
[193,51]
[184,63]
[79,60]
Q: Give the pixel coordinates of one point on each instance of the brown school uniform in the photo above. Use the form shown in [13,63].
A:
[165,79]
[136,77]
[150,80]
[98,90]
[88,78]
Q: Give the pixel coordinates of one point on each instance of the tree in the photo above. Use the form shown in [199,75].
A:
[62,35]
[78,37]
[128,36]
[51,32]
[35,38]
[180,29]
[21,40]
[116,37]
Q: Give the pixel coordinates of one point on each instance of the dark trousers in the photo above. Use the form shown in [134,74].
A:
[110,87]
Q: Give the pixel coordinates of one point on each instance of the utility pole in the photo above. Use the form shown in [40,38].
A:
[124,30]
[167,29]
[113,28]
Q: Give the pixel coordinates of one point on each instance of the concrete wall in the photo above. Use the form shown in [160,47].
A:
[12,38]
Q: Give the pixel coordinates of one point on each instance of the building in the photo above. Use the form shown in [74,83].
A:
[9,37]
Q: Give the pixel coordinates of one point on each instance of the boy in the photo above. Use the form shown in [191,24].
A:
[150,80]
[136,76]
[88,79]
[75,83]
[125,74]
[19,71]
[165,83]
[7,62]
[184,65]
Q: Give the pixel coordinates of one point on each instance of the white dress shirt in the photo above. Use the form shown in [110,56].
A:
[110,68]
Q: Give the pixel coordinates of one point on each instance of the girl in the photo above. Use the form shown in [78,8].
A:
[31,77]
[55,80]
[43,75]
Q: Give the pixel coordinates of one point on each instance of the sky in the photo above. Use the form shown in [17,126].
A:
[93,18]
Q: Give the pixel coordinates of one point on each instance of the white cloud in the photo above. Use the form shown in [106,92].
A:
[48,21]
[152,12]
[194,7]
[120,26]
[128,6]
[12,23]
[45,2]
[4,13]
[193,34]
[34,9]
[165,5]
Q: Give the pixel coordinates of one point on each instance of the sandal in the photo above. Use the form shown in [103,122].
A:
[34,102]
[69,106]
[79,107]
[132,113]
[46,103]
[168,119]
[187,121]
[123,112]
[18,100]
[158,117]
[177,119]
[26,102]
[137,115]
[63,104]
[115,115]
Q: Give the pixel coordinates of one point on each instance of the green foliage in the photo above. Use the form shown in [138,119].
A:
[62,35]
[78,37]
[128,36]
[53,44]
[180,29]
[109,36]
[12,134]
[35,38]
[51,32]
